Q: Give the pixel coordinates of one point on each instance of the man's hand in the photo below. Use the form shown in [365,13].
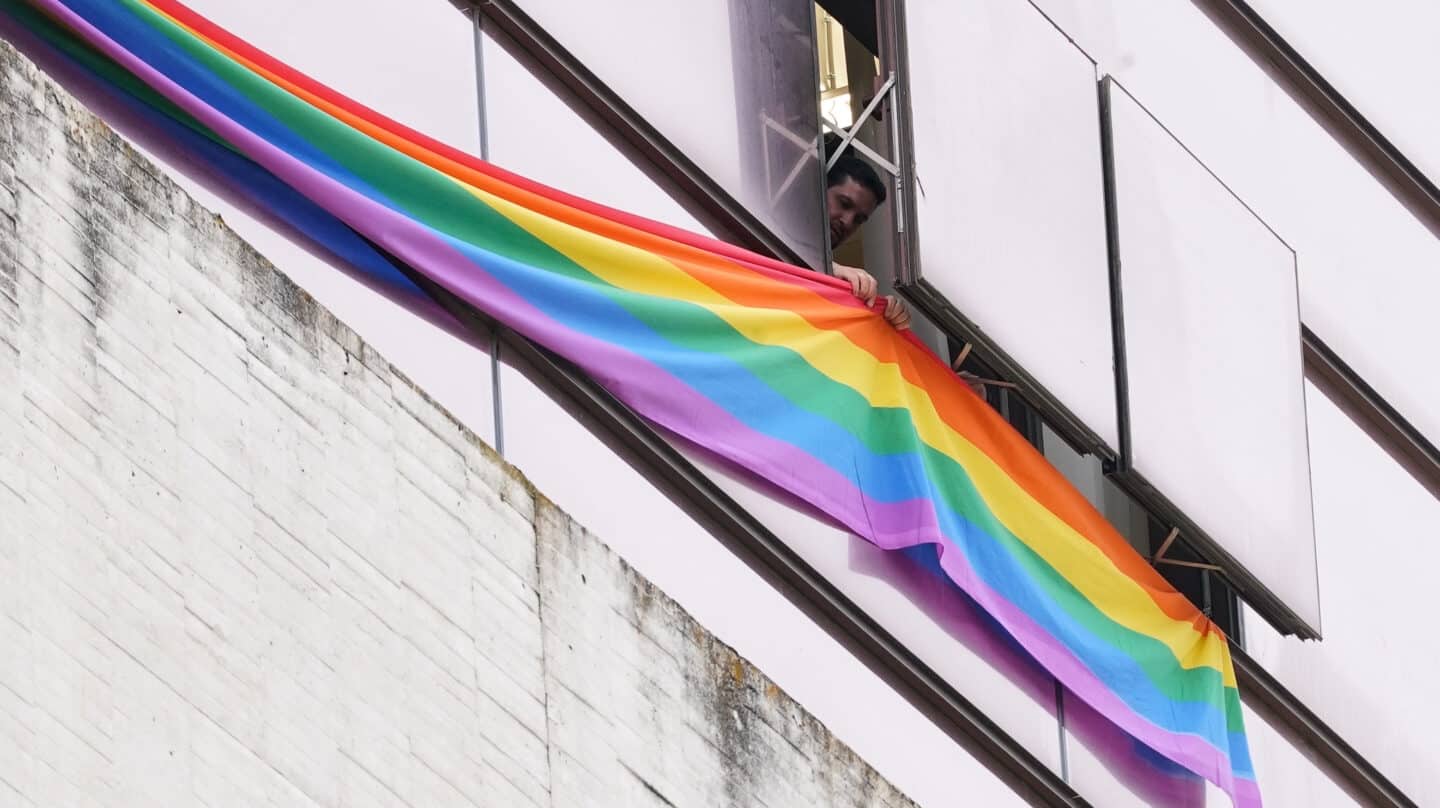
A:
[863,286]
[862,283]
[897,313]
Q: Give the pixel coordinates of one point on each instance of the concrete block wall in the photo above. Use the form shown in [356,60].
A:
[245,562]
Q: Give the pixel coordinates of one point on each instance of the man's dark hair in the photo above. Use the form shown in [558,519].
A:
[852,167]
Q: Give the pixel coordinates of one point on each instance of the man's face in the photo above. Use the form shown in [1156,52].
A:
[849,204]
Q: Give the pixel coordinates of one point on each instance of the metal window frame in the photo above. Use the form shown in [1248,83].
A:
[1061,420]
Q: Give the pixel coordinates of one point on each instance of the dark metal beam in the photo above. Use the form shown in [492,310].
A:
[1385,425]
[1264,690]
[1322,100]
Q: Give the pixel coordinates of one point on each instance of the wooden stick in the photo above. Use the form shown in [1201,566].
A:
[1165,545]
[964,353]
[990,382]
[1195,564]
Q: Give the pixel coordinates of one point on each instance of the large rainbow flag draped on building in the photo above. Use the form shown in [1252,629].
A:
[777,369]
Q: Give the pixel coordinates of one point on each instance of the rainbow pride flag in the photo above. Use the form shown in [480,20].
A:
[775,368]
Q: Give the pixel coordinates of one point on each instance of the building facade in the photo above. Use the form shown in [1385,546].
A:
[1196,240]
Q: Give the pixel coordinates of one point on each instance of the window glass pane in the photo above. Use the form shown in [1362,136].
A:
[1009,195]
[1213,359]
[731,83]
[1087,474]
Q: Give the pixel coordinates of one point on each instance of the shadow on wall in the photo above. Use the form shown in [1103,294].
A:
[916,574]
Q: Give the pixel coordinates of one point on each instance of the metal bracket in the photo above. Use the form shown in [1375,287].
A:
[847,138]
[809,148]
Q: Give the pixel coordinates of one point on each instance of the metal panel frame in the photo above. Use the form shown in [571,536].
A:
[827,250]
[1386,426]
[1255,592]
[910,280]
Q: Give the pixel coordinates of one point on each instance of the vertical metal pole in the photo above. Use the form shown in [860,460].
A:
[827,259]
[496,402]
[894,59]
[1112,248]
[477,20]
[1060,722]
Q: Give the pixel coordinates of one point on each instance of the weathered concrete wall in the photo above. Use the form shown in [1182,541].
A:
[245,562]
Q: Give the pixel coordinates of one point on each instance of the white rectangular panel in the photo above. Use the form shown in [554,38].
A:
[1010,196]
[731,83]
[1211,324]
[1368,279]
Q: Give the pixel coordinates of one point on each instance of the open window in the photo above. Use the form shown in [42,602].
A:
[860,113]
